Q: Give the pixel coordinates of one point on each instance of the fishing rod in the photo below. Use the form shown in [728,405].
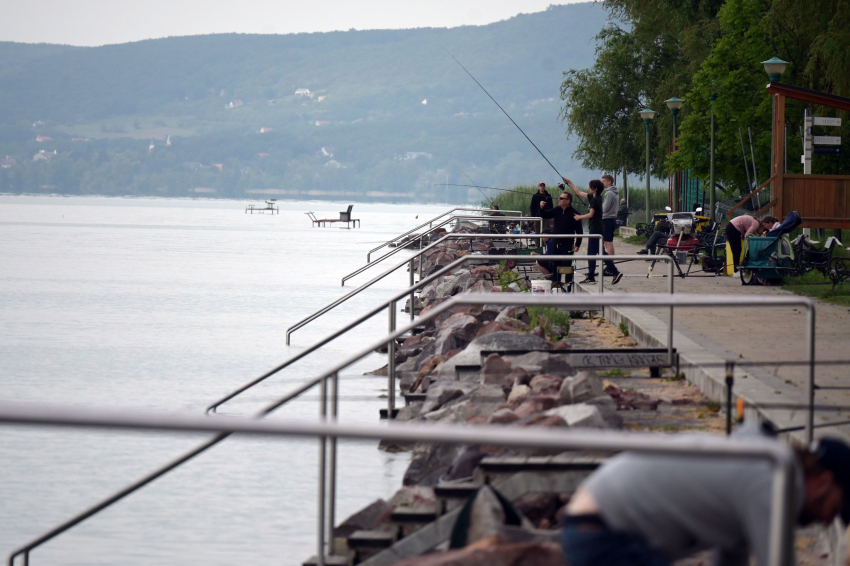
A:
[509,118]
[476,186]
[480,187]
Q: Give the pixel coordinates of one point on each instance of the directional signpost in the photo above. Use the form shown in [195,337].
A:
[826,145]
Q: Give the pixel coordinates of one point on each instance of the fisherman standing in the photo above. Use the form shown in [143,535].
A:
[595,225]
[651,510]
[541,196]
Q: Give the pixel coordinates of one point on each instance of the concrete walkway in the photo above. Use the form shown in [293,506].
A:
[708,337]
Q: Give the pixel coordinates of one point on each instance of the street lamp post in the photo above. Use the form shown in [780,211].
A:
[711,214]
[774,67]
[674,104]
[647,116]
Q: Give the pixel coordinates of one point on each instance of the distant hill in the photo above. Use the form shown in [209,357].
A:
[387,112]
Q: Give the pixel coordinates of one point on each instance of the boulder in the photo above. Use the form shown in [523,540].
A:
[538,362]
[539,332]
[545,421]
[581,415]
[509,342]
[533,405]
[366,519]
[486,515]
[429,462]
[410,412]
[413,496]
[502,416]
[481,287]
[416,340]
[518,376]
[608,408]
[491,553]
[464,467]
[518,393]
[485,400]
[495,369]
[545,383]
[455,412]
[519,313]
[429,365]
[579,388]
[493,326]
[442,391]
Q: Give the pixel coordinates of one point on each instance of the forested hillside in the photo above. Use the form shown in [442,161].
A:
[388,113]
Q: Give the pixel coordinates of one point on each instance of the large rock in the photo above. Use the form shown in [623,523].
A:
[608,408]
[416,496]
[441,392]
[485,400]
[537,362]
[502,416]
[579,388]
[490,552]
[518,393]
[465,465]
[581,415]
[430,462]
[545,383]
[519,313]
[486,515]
[533,405]
[366,519]
[495,370]
[509,342]
[454,412]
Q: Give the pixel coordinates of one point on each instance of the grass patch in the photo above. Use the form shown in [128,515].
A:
[677,377]
[814,284]
[636,240]
[555,322]
[624,328]
[616,372]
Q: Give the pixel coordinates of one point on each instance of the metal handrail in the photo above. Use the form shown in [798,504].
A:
[429,222]
[412,289]
[409,261]
[778,454]
[599,302]
[437,227]
[572,301]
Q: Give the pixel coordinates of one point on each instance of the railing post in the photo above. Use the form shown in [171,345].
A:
[391,363]
[730,382]
[670,277]
[323,410]
[332,479]
[412,292]
[810,385]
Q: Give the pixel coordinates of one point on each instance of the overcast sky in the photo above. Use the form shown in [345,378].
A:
[98,22]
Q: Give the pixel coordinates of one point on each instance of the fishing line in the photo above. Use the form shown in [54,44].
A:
[481,187]
[509,117]
[477,187]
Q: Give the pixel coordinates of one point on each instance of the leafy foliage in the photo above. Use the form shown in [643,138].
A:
[548,318]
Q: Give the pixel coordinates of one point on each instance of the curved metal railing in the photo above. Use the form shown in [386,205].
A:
[409,261]
[430,222]
[422,238]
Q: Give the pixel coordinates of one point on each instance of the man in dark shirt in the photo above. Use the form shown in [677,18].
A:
[564,216]
[541,196]
[595,226]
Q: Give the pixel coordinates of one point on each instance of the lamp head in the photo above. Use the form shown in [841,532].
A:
[674,104]
[648,115]
[774,68]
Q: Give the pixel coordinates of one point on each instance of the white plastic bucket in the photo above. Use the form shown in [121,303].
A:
[541,286]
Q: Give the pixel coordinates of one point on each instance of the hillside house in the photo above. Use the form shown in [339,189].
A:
[43,155]
[42,139]
[218,166]
[264,130]
[321,98]
[304,92]
[235,103]
[322,123]
[7,162]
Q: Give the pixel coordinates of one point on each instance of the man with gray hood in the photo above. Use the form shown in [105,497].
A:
[610,206]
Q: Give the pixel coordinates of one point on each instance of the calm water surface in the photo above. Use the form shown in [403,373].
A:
[167,305]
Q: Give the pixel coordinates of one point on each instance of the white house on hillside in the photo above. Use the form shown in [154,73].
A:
[303,92]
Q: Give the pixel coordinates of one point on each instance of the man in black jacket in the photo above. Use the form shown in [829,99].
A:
[565,223]
[541,196]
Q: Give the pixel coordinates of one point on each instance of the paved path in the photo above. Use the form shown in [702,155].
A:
[757,334]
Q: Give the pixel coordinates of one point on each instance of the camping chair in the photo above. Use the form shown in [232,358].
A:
[346,216]
[770,257]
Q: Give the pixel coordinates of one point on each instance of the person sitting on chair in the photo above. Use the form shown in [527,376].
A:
[662,232]
[623,213]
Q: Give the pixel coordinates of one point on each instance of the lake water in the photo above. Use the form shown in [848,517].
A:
[167,305]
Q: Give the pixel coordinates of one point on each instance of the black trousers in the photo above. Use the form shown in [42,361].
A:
[733,236]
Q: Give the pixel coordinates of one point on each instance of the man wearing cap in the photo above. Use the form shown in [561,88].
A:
[540,196]
[647,510]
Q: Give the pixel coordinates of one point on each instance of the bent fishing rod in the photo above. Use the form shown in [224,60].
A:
[511,119]
[476,186]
